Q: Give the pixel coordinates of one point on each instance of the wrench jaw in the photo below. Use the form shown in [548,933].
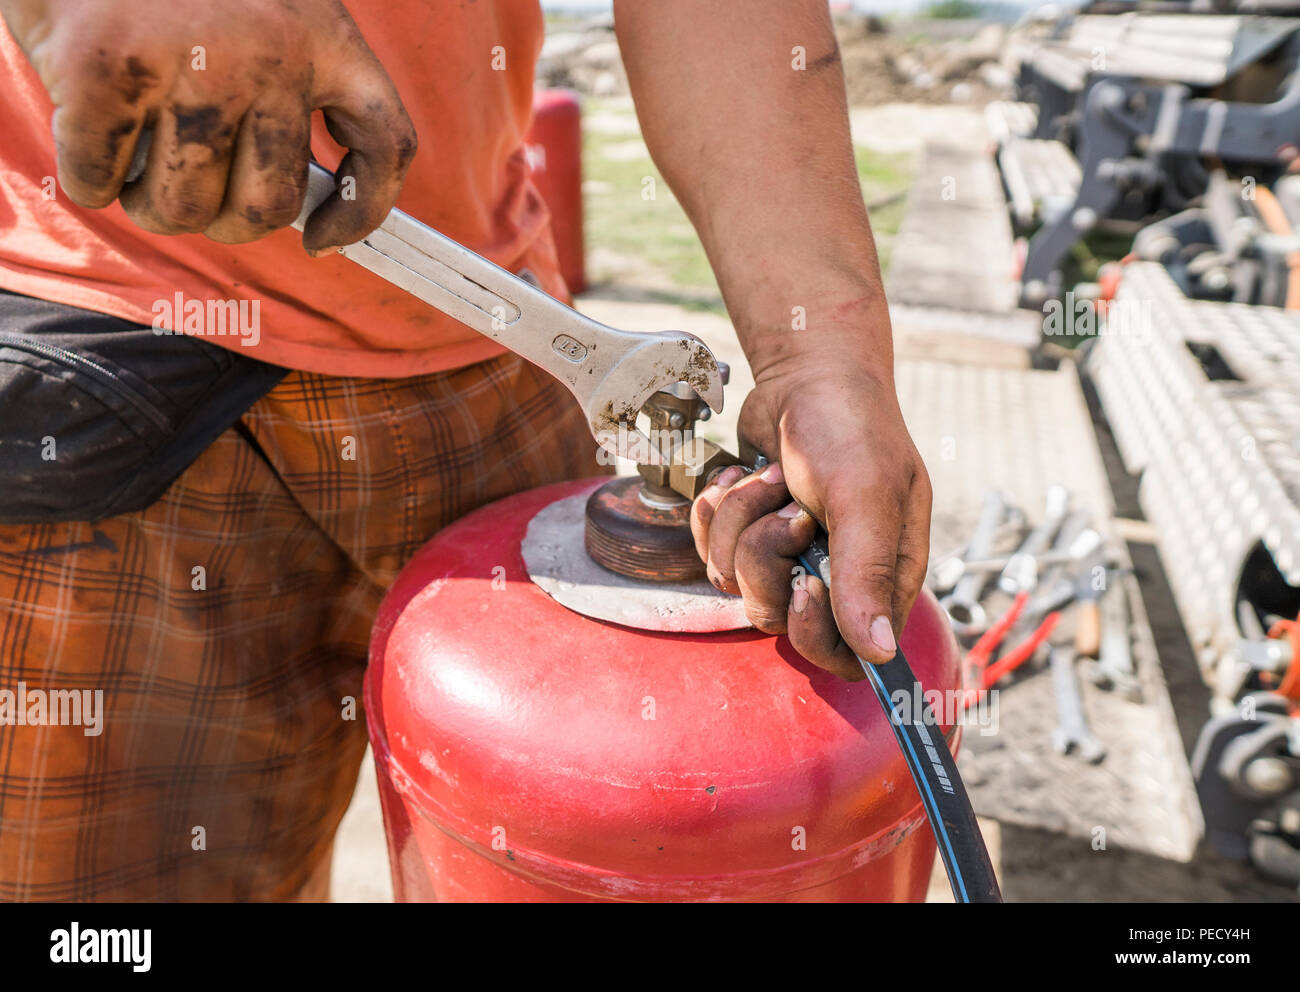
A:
[663,360]
[639,526]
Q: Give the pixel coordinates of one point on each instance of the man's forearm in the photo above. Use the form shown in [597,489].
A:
[758,151]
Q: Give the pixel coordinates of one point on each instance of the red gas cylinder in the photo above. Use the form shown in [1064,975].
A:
[554,149]
[529,753]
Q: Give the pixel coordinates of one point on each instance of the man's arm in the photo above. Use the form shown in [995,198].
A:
[758,151]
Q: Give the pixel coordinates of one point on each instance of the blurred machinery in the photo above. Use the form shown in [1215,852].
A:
[1120,114]
[1179,124]
[1204,401]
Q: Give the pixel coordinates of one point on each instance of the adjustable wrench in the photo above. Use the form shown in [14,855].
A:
[611,372]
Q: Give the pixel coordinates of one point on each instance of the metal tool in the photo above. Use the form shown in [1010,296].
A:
[1095,625]
[962,604]
[1059,585]
[611,372]
[1114,668]
[946,571]
[1021,571]
[1072,731]
[1116,649]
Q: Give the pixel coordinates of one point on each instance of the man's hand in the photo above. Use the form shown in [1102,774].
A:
[845,456]
[745,115]
[227,90]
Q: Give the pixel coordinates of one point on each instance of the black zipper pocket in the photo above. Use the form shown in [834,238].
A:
[80,363]
[99,416]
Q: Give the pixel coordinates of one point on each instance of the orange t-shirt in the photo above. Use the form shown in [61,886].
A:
[469,180]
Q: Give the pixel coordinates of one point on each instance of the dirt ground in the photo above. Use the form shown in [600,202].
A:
[931,61]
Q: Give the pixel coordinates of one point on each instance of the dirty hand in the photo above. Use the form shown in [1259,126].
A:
[228,90]
[839,450]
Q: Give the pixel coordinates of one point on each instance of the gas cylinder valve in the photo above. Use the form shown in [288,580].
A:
[640,526]
[673,414]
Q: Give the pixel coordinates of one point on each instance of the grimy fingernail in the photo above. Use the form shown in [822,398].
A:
[727,477]
[799,601]
[773,474]
[321,252]
[790,512]
[882,636]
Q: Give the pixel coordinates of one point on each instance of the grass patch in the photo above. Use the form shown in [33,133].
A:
[951,10]
[885,222]
[623,218]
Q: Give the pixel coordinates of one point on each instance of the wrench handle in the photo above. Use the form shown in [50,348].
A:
[451,278]
[610,372]
[1087,629]
[320,185]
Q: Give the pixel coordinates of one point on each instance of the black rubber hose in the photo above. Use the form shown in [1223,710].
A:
[961,847]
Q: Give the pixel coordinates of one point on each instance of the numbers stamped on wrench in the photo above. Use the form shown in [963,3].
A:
[570,348]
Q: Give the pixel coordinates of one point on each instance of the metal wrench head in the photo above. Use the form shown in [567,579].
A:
[966,616]
[657,361]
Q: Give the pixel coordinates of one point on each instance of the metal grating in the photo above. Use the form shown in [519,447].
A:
[1007,119]
[1219,457]
[1196,49]
[1042,178]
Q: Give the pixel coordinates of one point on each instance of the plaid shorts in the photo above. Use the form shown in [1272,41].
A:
[225,630]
